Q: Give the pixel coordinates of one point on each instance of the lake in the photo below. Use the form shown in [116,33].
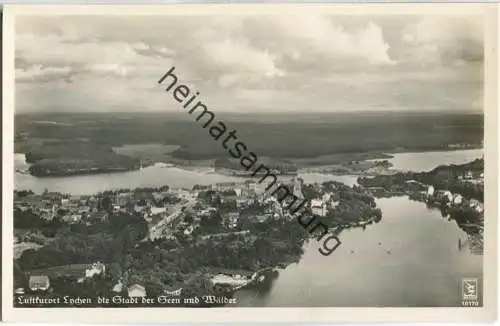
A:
[426,161]
[155,176]
[151,176]
[410,258]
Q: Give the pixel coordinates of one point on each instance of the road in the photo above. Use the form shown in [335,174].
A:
[159,229]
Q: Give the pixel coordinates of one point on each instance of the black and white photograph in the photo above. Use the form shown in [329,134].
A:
[249,159]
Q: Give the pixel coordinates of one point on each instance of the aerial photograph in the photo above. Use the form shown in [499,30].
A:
[250,160]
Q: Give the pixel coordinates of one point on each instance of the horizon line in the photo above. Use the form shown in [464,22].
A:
[450,111]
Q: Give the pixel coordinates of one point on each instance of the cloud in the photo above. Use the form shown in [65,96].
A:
[109,68]
[322,35]
[228,55]
[454,41]
[41,73]
[259,62]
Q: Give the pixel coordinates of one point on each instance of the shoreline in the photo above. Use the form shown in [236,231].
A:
[258,284]
[190,165]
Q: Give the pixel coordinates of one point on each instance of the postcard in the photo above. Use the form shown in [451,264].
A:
[283,162]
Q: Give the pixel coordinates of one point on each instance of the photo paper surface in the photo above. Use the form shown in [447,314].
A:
[284,162]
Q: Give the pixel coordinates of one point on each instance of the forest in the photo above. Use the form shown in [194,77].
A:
[306,135]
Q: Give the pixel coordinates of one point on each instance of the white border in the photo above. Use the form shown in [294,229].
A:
[487,313]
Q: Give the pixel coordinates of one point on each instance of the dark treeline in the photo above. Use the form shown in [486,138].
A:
[335,133]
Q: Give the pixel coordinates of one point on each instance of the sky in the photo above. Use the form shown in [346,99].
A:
[252,63]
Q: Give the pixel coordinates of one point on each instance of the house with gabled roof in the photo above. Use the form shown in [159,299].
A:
[39,283]
[136,290]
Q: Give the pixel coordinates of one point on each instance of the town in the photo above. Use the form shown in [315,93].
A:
[208,240]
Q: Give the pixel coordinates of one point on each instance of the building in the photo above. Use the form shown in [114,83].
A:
[445,194]
[39,283]
[118,287]
[247,191]
[136,290]
[122,199]
[297,188]
[72,218]
[48,213]
[98,217]
[241,202]
[335,203]
[235,281]
[223,186]
[158,210]
[473,203]
[233,219]
[476,205]
[19,291]
[457,199]
[97,268]
[318,207]
[189,230]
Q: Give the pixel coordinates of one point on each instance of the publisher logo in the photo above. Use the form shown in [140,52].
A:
[469,292]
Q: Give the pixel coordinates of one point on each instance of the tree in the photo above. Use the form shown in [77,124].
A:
[188,219]
[106,204]
[154,288]
[114,271]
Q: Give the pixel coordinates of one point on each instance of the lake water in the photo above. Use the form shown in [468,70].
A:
[410,258]
[429,160]
[151,176]
[417,263]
